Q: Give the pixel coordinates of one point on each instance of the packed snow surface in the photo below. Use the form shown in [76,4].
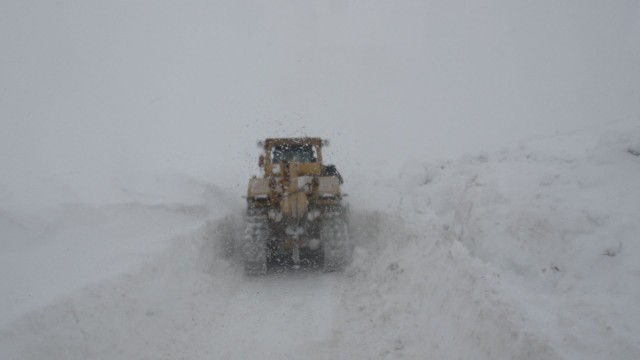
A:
[527,253]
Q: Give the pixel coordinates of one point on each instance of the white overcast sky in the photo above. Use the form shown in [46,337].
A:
[96,90]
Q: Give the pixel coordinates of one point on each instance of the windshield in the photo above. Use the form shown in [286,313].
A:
[297,153]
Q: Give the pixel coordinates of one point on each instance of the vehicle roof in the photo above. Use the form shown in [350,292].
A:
[293,141]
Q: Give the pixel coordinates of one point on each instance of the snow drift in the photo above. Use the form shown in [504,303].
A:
[527,253]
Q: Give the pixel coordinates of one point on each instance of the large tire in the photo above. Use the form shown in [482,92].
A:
[335,241]
[254,247]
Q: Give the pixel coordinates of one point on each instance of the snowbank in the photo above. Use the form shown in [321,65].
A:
[528,253]
[48,253]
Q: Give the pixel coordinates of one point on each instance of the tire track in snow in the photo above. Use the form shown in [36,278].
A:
[279,316]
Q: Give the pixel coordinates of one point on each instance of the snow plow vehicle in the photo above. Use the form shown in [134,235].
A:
[295,212]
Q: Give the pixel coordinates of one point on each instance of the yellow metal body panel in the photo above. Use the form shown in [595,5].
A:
[295,205]
[310,169]
[294,186]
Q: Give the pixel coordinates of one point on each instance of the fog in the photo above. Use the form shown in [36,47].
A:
[97,96]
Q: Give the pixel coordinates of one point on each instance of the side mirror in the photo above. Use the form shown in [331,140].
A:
[261,161]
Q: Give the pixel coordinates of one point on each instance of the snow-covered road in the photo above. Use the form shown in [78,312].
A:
[184,302]
[282,317]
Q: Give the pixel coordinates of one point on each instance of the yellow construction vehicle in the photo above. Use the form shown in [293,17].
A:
[295,211]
